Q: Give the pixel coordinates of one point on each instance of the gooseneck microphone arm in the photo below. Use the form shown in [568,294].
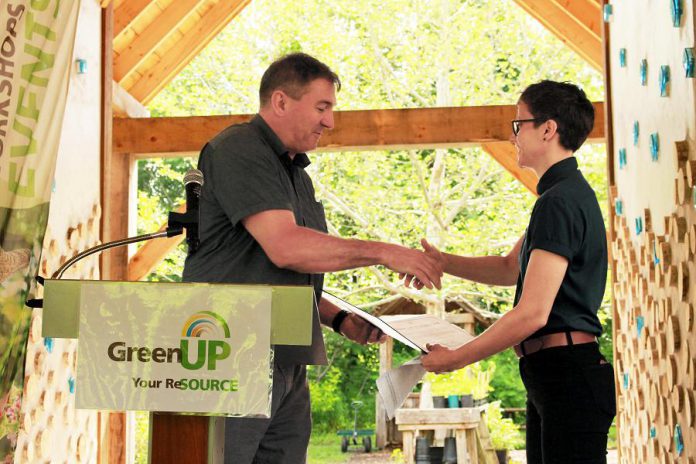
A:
[169,232]
[175,226]
[177,222]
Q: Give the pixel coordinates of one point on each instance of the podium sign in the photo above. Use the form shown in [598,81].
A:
[176,347]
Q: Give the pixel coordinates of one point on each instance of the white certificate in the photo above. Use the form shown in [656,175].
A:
[414,330]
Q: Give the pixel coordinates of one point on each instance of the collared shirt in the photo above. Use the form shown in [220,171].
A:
[566,220]
[247,170]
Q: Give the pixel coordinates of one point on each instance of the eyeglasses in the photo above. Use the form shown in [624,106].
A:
[516,123]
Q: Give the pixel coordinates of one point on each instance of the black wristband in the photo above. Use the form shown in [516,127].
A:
[338,320]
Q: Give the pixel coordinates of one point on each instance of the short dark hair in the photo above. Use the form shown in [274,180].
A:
[292,73]
[566,104]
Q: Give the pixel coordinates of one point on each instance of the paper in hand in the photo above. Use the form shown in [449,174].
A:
[415,331]
[394,385]
[374,320]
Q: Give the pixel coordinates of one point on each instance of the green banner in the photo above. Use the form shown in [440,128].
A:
[36,46]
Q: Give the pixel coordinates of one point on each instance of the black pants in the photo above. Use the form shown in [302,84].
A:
[571,403]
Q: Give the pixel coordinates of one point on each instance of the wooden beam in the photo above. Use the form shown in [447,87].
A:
[586,12]
[577,32]
[355,130]
[124,105]
[106,126]
[611,230]
[115,170]
[125,12]
[111,431]
[155,135]
[117,188]
[144,44]
[505,153]
[152,252]
[172,61]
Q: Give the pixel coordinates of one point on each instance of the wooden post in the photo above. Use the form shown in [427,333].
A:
[112,425]
[382,424]
[178,439]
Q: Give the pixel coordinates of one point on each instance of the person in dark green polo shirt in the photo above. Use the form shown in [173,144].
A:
[560,268]
[260,223]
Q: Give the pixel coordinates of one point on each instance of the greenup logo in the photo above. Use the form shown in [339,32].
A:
[211,327]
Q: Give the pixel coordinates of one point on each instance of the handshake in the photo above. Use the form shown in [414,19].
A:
[417,268]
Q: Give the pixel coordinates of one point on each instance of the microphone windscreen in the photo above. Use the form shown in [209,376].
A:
[193,176]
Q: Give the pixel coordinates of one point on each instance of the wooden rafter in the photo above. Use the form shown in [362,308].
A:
[166,60]
[155,40]
[125,13]
[578,23]
[506,154]
[355,130]
[145,43]
[152,252]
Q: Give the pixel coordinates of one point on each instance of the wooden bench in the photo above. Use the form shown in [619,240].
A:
[463,421]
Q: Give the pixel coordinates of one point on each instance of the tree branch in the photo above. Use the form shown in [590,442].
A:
[415,162]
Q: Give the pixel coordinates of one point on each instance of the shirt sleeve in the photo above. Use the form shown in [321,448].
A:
[244,182]
[555,228]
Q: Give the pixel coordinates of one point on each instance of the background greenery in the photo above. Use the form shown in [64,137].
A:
[389,54]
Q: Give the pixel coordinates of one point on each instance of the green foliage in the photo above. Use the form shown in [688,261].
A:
[350,377]
[397,456]
[505,434]
[506,383]
[142,424]
[328,409]
[473,380]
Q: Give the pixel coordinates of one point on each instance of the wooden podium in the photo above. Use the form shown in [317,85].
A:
[193,433]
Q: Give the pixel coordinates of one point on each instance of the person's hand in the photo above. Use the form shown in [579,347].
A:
[432,252]
[439,359]
[360,331]
[420,266]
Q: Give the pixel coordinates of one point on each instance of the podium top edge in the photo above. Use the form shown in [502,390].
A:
[246,284]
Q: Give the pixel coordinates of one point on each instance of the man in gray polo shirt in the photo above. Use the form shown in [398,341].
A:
[260,223]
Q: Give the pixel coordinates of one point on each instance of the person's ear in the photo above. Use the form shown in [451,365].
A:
[279,102]
[550,129]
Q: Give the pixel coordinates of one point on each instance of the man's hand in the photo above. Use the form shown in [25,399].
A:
[360,331]
[435,255]
[416,264]
[440,359]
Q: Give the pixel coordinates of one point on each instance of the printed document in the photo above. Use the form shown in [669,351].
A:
[415,331]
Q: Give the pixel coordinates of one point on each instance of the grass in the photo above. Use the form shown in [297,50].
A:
[325,448]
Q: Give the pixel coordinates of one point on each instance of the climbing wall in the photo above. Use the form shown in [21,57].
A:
[651,90]
[52,430]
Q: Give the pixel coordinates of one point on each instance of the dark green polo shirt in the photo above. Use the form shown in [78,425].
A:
[247,170]
[566,220]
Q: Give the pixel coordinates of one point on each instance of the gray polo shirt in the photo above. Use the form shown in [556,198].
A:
[246,170]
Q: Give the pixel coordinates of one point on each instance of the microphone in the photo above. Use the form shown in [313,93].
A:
[193,181]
